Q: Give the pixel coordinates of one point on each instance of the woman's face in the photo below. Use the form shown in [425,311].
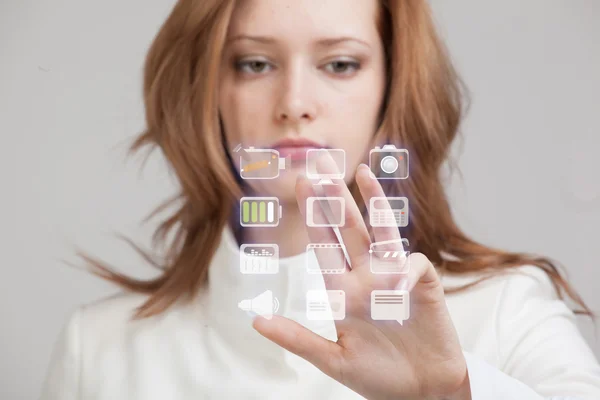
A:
[310,73]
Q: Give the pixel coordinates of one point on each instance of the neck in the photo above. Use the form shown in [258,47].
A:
[290,234]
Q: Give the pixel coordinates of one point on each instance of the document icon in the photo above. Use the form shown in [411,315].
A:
[324,305]
[390,305]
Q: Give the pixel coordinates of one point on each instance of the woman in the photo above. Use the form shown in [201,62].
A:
[347,76]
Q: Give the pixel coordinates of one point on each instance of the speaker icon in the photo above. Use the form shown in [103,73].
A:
[264,304]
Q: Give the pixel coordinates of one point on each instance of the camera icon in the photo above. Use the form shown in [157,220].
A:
[389,162]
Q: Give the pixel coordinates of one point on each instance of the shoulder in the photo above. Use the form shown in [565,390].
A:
[110,323]
[91,333]
[527,280]
[117,307]
[112,313]
[102,341]
[102,321]
[512,291]
[508,301]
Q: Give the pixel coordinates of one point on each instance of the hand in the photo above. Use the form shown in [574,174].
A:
[379,359]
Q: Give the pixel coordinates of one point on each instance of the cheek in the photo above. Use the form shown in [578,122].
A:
[357,121]
[360,105]
[366,104]
[241,111]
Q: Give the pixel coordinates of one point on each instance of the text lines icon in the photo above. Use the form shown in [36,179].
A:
[390,305]
[264,304]
[322,305]
[260,211]
[259,259]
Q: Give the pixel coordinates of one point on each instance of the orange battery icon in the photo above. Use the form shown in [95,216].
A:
[260,163]
[248,168]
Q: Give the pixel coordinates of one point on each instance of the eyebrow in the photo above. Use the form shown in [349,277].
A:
[324,42]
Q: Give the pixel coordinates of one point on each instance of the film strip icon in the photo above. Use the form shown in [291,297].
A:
[333,253]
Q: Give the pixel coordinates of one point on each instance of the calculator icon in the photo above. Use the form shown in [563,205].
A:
[388,211]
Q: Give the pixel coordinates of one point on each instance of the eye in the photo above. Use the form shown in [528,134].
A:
[341,67]
[251,66]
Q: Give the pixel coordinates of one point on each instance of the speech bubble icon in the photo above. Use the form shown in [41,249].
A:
[390,305]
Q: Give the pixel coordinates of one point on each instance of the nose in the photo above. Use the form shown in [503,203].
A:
[296,103]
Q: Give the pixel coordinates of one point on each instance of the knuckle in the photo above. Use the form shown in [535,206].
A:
[352,221]
[419,259]
[335,191]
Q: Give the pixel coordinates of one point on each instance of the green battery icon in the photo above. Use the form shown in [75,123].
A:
[259,211]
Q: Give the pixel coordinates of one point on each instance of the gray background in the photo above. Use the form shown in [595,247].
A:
[70,99]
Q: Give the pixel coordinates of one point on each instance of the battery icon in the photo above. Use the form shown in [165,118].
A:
[260,163]
[259,211]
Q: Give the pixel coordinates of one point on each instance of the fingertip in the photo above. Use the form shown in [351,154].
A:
[300,181]
[258,323]
[301,176]
[303,188]
[364,170]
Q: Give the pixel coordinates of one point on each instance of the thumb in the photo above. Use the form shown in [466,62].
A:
[322,353]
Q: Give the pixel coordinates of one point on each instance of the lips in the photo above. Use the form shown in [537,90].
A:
[294,153]
[296,149]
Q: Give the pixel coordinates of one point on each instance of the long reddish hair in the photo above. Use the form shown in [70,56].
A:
[423,108]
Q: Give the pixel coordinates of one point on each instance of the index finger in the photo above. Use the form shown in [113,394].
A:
[323,241]
[388,252]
